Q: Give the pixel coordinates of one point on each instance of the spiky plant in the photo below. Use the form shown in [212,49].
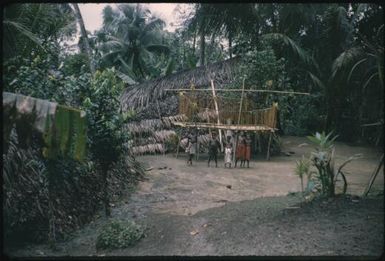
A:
[324,161]
[302,168]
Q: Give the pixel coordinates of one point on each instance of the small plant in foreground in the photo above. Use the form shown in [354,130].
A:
[119,234]
[323,159]
[302,168]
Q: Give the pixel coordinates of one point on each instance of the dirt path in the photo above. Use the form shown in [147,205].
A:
[242,211]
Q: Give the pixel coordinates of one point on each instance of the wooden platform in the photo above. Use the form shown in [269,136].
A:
[225,126]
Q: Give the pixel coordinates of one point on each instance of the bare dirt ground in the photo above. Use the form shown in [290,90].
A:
[199,210]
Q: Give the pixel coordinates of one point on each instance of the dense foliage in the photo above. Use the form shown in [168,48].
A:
[66,192]
[333,51]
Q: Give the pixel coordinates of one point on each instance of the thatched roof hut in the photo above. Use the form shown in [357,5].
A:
[157,108]
[140,96]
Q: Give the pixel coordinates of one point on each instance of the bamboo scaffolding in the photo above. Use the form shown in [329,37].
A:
[225,126]
[239,90]
[240,105]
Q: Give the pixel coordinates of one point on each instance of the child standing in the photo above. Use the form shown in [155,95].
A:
[191,148]
[228,152]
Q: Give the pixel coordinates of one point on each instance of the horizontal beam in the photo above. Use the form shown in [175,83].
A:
[224,126]
[237,90]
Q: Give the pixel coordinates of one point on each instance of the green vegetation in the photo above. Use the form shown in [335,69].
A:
[333,51]
[105,124]
[324,177]
[302,169]
[119,234]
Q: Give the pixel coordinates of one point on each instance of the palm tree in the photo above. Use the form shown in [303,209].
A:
[84,36]
[29,28]
[131,39]
[222,19]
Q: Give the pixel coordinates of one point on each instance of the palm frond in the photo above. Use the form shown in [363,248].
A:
[23,30]
[316,81]
[296,49]
[154,25]
[170,67]
[354,68]
[158,48]
[345,59]
[360,9]
[126,78]
[369,80]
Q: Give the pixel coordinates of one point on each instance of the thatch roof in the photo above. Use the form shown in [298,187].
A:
[139,96]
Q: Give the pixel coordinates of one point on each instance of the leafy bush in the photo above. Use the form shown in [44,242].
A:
[77,188]
[119,234]
[105,118]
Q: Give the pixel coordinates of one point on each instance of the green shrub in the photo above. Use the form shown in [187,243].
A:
[119,234]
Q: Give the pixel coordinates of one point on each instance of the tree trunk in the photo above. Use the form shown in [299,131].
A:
[84,35]
[194,41]
[230,46]
[202,49]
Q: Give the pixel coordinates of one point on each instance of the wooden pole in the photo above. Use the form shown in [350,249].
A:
[197,154]
[238,90]
[268,147]
[240,105]
[160,118]
[374,175]
[217,111]
[177,148]
[235,146]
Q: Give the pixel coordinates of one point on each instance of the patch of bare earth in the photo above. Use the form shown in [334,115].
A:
[200,210]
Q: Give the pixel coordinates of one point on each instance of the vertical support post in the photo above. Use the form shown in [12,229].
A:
[235,146]
[177,148]
[239,117]
[217,112]
[241,103]
[268,147]
[198,148]
[160,118]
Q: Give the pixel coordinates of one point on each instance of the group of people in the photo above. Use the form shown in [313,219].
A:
[242,149]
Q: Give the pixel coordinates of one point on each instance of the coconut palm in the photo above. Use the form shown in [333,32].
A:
[131,40]
[30,28]
[84,36]
[221,19]
[342,55]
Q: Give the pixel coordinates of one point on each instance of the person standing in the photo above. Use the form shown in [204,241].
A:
[191,148]
[240,150]
[228,152]
[214,146]
[248,149]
